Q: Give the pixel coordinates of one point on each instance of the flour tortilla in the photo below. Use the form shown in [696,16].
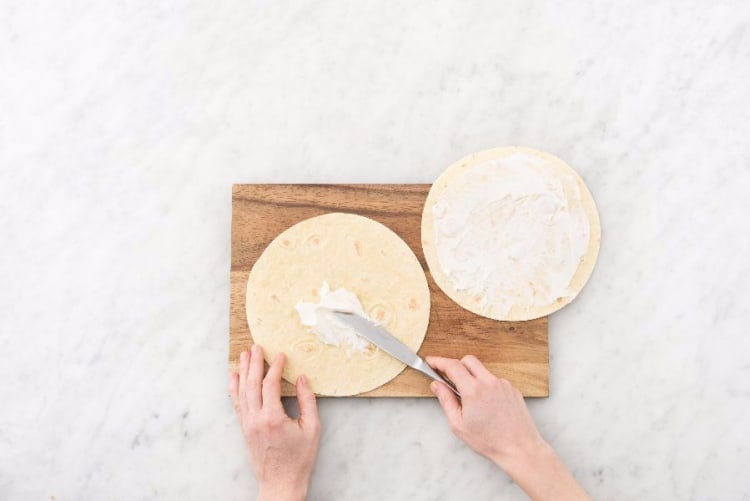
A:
[473,303]
[347,251]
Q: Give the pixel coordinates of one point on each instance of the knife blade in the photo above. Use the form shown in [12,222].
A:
[389,344]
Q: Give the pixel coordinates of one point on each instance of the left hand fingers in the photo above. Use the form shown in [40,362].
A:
[242,381]
[234,387]
[252,393]
[272,384]
[308,407]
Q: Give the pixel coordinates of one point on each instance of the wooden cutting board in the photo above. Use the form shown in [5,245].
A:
[517,351]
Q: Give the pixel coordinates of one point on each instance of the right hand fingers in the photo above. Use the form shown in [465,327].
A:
[476,367]
[448,401]
[455,370]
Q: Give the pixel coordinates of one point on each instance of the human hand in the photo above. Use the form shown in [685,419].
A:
[492,418]
[281,450]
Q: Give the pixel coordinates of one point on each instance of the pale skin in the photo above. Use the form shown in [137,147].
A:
[491,418]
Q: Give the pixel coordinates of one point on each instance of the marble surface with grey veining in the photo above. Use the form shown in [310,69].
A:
[124,124]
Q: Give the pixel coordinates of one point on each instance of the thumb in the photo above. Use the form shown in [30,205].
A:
[308,407]
[448,401]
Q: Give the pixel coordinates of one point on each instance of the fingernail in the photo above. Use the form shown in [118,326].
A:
[243,356]
[254,348]
[303,380]
[434,386]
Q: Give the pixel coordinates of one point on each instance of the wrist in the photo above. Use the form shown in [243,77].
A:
[542,475]
[526,460]
[282,492]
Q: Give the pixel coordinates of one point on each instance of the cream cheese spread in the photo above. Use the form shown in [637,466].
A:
[511,232]
[327,327]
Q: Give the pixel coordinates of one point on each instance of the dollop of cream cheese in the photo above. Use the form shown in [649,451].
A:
[327,327]
[511,231]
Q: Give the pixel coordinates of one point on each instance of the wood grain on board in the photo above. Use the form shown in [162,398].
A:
[517,351]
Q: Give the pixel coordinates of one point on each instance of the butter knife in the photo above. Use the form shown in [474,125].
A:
[389,344]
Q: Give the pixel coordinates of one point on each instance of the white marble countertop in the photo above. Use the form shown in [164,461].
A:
[124,124]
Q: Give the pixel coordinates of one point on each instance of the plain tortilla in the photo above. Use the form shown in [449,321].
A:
[347,251]
[472,303]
